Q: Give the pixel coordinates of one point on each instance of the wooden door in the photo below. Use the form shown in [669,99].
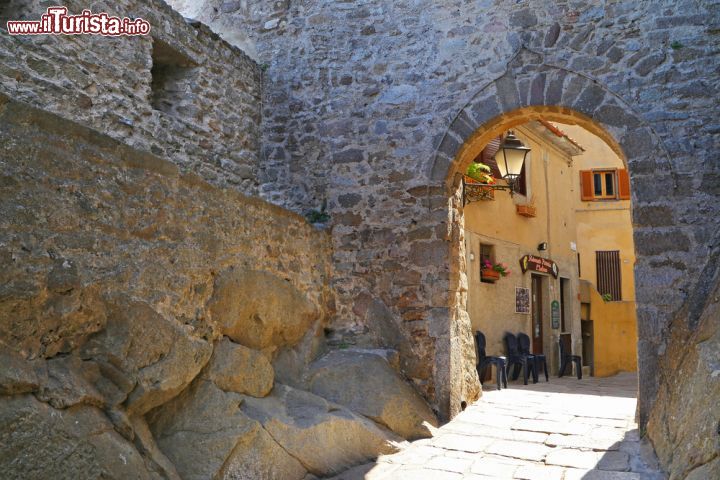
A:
[537,315]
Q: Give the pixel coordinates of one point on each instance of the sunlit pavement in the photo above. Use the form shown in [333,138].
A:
[563,429]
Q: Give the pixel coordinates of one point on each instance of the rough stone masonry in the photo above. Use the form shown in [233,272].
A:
[155,321]
[368,103]
[372,106]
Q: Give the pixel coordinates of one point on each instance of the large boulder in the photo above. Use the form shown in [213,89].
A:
[325,437]
[366,383]
[40,442]
[235,368]
[260,310]
[205,435]
[150,358]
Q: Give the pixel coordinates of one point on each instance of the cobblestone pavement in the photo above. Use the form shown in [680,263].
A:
[561,430]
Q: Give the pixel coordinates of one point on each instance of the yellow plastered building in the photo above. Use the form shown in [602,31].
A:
[555,219]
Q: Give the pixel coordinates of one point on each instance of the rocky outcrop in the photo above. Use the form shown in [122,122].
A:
[260,310]
[685,423]
[205,435]
[365,382]
[41,442]
[325,437]
[149,357]
[239,369]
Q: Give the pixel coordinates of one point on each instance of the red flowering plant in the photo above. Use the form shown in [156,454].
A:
[501,268]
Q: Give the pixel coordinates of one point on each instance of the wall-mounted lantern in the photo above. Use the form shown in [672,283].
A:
[510,159]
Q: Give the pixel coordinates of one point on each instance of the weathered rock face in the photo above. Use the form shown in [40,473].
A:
[109,261]
[685,425]
[154,355]
[365,383]
[239,369]
[260,310]
[325,437]
[290,364]
[40,442]
[17,374]
[206,435]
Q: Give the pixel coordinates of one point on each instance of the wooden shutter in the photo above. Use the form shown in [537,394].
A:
[608,274]
[522,181]
[586,186]
[623,185]
[487,156]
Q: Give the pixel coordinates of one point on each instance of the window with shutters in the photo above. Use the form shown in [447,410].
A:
[604,185]
[609,281]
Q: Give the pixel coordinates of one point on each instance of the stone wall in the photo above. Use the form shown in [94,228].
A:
[368,103]
[86,217]
[154,326]
[180,93]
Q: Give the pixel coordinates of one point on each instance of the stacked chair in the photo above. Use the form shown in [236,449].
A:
[518,359]
[539,359]
[484,361]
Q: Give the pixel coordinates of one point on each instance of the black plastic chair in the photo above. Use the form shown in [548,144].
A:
[538,358]
[566,356]
[514,357]
[484,361]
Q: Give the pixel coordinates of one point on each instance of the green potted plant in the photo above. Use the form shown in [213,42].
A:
[481,173]
[477,176]
[492,272]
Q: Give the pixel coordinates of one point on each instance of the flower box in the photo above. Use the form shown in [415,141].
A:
[489,275]
[526,210]
[475,190]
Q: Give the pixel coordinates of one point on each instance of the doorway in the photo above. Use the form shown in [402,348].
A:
[564,294]
[537,314]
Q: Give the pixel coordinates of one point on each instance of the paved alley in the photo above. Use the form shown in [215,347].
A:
[565,429]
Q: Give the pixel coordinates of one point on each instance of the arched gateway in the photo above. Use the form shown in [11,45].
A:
[528,90]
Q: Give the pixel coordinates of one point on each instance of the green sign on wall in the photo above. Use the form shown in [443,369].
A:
[555,311]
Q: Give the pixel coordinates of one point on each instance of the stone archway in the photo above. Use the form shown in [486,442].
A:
[530,89]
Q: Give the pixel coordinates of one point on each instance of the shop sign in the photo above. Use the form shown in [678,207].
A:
[555,313]
[539,264]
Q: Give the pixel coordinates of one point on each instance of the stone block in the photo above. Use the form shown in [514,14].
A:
[484,109]
[507,93]
[235,368]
